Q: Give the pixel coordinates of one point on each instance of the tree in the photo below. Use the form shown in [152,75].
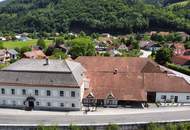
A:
[41,43]
[187,45]
[135,45]
[59,41]
[58,54]
[82,34]
[163,56]
[49,50]
[82,46]
[25,49]
[157,37]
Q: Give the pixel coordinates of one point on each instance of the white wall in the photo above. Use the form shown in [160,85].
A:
[182,97]
[55,99]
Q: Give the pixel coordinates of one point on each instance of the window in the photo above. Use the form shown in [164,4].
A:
[72,93]
[2,91]
[37,103]
[24,92]
[163,97]
[110,102]
[48,93]
[48,104]
[73,105]
[36,92]
[61,93]
[4,102]
[14,103]
[13,91]
[172,97]
[188,97]
[62,104]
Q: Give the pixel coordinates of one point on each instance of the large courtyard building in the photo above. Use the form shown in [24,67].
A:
[127,81]
[62,85]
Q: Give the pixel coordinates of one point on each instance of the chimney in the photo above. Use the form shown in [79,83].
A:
[115,71]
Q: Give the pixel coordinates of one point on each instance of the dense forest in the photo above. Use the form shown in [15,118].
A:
[114,16]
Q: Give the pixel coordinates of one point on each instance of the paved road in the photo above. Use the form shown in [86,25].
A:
[93,119]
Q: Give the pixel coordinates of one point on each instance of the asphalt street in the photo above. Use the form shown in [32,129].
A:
[94,119]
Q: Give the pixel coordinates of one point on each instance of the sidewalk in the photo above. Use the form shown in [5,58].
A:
[100,111]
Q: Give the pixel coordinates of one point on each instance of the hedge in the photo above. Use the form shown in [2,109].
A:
[178,68]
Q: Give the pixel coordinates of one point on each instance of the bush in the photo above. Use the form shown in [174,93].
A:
[41,43]
[178,68]
[41,127]
[25,49]
[112,127]
[58,54]
[73,127]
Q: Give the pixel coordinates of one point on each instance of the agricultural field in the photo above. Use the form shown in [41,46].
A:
[20,44]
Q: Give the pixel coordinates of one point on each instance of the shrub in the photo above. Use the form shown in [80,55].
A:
[178,68]
[112,127]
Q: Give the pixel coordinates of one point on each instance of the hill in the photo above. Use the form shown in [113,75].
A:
[114,16]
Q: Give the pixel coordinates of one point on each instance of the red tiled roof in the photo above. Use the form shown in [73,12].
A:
[179,46]
[180,60]
[133,78]
[123,86]
[35,54]
[123,64]
[156,82]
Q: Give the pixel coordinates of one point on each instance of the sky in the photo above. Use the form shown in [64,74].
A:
[1,0]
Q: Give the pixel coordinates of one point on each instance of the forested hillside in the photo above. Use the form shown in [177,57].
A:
[114,16]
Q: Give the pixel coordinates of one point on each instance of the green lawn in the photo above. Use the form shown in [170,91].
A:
[20,44]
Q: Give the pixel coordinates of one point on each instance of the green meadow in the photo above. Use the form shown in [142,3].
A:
[20,44]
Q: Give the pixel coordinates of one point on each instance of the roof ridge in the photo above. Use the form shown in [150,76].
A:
[67,65]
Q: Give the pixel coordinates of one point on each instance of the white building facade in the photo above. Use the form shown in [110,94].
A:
[173,97]
[44,88]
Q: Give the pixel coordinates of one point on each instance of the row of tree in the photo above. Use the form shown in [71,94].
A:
[115,16]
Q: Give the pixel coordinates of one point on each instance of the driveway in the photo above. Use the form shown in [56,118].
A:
[145,54]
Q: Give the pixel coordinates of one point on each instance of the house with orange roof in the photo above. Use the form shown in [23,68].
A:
[35,54]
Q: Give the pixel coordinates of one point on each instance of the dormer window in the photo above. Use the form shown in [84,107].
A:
[111,100]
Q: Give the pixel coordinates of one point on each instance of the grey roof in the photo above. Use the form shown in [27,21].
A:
[12,51]
[39,65]
[34,72]
[2,52]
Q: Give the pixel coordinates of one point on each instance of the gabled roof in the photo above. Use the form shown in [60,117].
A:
[35,54]
[123,64]
[12,51]
[156,82]
[122,86]
[129,78]
[35,72]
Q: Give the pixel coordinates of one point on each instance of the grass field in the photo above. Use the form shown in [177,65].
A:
[20,44]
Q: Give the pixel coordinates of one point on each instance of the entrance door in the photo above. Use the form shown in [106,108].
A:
[151,97]
[176,99]
[31,104]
